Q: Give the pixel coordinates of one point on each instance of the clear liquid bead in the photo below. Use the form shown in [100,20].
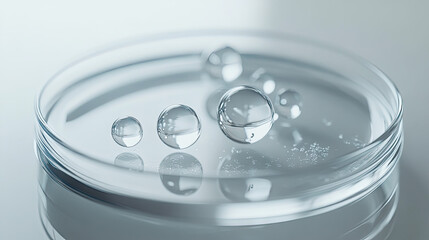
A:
[224,63]
[245,114]
[178,126]
[288,103]
[181,173]
[127,131]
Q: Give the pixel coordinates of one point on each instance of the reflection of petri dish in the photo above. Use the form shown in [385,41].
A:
[302,167]
[66,214]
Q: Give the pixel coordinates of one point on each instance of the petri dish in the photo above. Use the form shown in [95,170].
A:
[340,147]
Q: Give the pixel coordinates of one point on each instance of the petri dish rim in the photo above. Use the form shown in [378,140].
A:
[262,34]
[383,140]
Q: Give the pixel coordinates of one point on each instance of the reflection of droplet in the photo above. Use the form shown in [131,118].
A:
[179,126]
[127,131]
[181,173]
[258,189]
[224,63]
[130,161]
[288,103]
[297,137]
[240,175]
[212,102]
[245,114]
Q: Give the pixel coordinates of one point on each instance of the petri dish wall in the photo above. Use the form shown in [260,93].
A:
[314,141]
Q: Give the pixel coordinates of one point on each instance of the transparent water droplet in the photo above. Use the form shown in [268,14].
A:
[262,77]
[224,63]
[212,102]
[245,114]
[181,173]
[288,103]
[179,126]
[130,161]
[127,131]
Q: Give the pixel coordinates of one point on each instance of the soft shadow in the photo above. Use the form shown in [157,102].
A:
[412,215]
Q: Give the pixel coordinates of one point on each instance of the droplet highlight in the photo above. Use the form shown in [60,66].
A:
[288,103]
[245,114]
[127,131]
[178,126]
[224,63]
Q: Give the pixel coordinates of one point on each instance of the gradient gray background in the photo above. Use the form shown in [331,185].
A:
[39,37]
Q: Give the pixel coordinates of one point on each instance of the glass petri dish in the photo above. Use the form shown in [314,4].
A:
[343,146]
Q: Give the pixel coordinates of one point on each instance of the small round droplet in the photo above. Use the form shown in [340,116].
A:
[288,103]
[245,114]
[224,63]
[181,173]
[179,126]
[130,161]
[262,77]
[127,131]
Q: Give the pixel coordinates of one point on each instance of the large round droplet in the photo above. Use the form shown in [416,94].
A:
[130,161]
[179,126]
[245,114]
[181,173]
[127,131]
[224,63]
[288,103]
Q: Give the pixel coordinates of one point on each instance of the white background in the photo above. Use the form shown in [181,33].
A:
[39,37]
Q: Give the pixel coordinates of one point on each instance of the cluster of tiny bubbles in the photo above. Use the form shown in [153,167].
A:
[212,102]
[224,63]
[181,173]
[178,126]
[241,175]
[129,161]
[288,103]
[127,131]
[245,114]
[262,77]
